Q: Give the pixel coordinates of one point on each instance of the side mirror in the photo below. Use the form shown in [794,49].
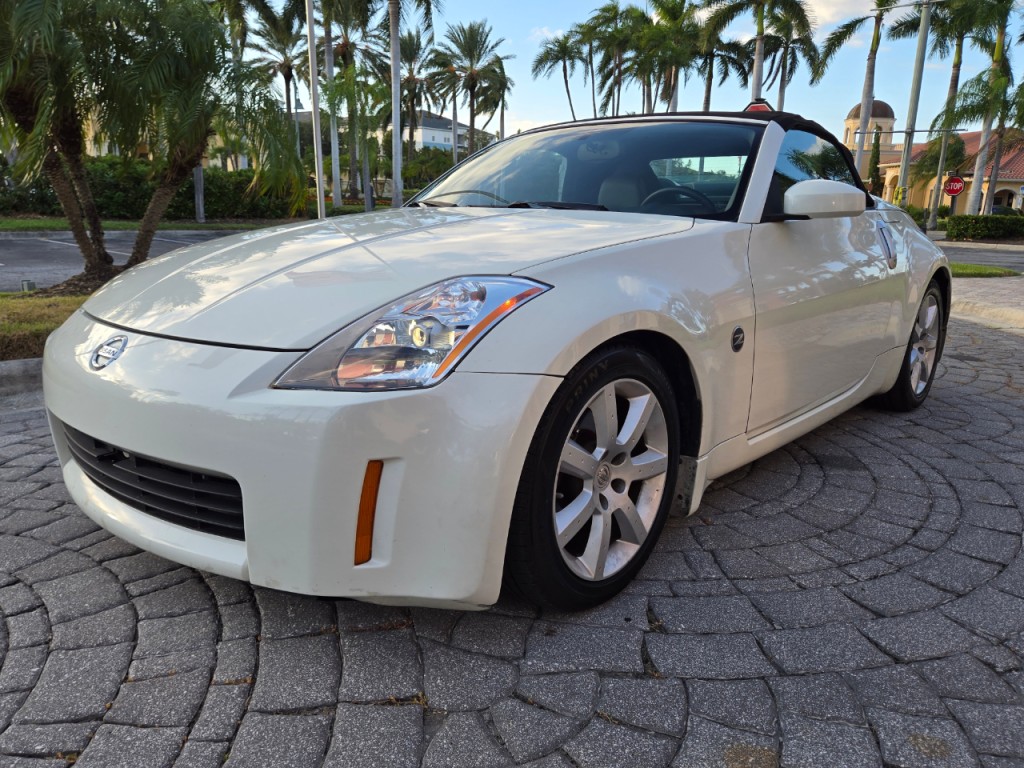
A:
[823,199]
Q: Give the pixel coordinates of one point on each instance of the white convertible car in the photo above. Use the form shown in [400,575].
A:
[510,380]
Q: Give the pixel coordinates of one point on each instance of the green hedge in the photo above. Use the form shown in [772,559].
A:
[984,227]
[122,190]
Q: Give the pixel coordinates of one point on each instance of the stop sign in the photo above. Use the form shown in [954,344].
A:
[954,186]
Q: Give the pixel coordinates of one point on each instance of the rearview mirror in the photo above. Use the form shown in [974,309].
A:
[823,199]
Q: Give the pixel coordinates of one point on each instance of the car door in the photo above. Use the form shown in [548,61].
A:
[821,296]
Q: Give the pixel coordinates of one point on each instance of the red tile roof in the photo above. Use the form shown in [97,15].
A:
[1011,164]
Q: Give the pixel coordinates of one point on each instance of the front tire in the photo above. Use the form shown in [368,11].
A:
[927,339]
[598,482]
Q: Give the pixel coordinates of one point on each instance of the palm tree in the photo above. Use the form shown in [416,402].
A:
[606,29]
[234,13]
[471,52]
[416,90]
[560,51]
[730,57]
[785,46]
[583,36]
[351,14]
[280,42]
[951,24]
[154,75]
[840,37]
[994,17]
[394,18]
[356,46]
[494,98]
[45,88]
[676,37]
[724,12]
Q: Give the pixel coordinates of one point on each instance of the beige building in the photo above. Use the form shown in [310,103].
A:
[1009,185]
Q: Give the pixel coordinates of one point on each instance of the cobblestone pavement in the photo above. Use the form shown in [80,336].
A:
[853,599]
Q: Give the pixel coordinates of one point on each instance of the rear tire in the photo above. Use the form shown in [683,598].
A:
[597,483]
[924,350]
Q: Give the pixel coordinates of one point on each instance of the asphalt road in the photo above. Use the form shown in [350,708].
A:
[49,258]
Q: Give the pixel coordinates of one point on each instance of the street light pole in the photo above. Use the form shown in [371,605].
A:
[915,97]
[314,93]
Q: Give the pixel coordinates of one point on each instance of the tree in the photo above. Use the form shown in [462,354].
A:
[583,36]
[563,52]
[357,46]
[677,36]
[785,46]
[152,74]
[471,52]
[45,95]
[394,17]
[724,12]
[952,23]
[281,44]
[730,57]
[834,43]
[927,164]
[988,95]
[874,174]
[607,31]
[494,98]
[416,90]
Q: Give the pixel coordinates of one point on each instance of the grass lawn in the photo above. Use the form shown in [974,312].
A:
[25,322]
[977,270]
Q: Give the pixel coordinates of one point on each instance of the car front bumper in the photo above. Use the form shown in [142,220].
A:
[452,458]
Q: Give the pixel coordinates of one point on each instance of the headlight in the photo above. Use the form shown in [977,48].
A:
[416,341]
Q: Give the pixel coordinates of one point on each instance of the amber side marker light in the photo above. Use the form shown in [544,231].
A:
[367,511]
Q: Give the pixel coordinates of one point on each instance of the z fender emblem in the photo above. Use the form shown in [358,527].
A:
[108,352]
[738,337]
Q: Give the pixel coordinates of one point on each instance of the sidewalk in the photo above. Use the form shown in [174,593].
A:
[999,301]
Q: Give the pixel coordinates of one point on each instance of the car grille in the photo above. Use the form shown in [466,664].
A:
[187,497]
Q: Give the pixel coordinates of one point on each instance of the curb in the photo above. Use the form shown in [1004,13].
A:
[20,376]
[980,246]
[1008,317]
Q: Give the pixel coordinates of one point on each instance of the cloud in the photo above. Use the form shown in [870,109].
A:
[540,34]
[514,124]
[828,12]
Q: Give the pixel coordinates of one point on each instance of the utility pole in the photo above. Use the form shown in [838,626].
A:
[915,97]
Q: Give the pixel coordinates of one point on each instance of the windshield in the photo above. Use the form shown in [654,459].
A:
[667,168]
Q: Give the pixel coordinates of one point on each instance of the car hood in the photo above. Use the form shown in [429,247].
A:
[289,287]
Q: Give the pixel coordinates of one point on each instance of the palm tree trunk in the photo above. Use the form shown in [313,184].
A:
[758,74]
[867,97]
[369,202]
[954,86]
[974,198]
[593,76]
[54,171]
[76,172]
[396,106]
[455,126]
[183,162]
[329,72]
[673,102]
[501,119]
[472,118]
[993,180]
[781,106]
[565,78]
[709,82]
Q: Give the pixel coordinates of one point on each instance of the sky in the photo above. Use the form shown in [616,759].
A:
[525,24]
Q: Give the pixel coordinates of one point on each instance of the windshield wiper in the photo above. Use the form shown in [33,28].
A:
[434,203]
[557,205]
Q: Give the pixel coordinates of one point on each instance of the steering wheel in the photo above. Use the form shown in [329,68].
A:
[689,192]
